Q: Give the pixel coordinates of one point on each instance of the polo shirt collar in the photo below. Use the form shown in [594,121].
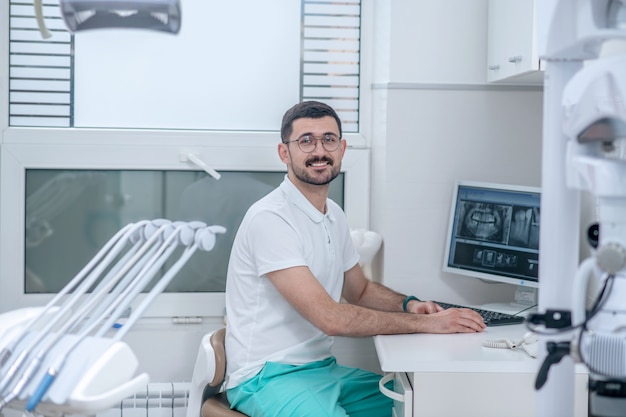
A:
[296,197]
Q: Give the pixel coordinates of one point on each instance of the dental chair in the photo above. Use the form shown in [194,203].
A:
[205,396]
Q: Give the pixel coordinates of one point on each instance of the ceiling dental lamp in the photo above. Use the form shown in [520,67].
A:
[158,15]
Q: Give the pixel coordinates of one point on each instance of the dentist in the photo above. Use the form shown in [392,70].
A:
[294,282]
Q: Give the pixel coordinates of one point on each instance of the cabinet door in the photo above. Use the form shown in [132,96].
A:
[511,47]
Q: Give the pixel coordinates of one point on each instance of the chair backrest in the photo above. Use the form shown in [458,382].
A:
[217,343]
[214,402]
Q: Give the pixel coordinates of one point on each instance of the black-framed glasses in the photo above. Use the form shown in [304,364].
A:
[307,143]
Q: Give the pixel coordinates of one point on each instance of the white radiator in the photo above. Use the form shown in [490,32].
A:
[157,400]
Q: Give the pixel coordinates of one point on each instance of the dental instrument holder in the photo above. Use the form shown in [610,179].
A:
[99,370]
[100,375]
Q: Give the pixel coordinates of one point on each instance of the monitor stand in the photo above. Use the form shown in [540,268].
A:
[525,302]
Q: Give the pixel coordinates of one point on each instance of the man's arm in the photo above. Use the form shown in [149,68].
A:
[305,294]
[357,289]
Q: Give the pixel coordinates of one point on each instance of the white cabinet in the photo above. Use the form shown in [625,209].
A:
[512,55]
[443,375]
[472,394]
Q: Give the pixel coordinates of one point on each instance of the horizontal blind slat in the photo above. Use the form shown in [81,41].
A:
[331,57]
[39,69]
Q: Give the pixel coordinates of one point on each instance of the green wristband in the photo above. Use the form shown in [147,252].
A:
[406,301]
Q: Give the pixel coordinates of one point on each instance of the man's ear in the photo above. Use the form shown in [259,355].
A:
[283,152]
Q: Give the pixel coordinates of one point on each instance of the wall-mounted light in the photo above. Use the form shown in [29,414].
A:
[159,15]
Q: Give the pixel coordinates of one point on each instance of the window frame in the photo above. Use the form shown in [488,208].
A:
[18,155]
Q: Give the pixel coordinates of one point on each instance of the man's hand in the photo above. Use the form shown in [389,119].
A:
[454,320]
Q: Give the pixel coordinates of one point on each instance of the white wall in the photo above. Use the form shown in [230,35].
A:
[433,138]
[442,122]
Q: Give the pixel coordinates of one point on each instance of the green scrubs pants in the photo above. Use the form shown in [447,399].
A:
[318,389]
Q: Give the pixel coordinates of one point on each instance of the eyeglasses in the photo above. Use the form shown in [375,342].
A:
[307,143]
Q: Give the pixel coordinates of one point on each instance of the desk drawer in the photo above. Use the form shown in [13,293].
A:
[483,394]
[402,394]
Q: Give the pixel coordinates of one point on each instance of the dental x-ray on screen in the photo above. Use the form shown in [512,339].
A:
[494,233]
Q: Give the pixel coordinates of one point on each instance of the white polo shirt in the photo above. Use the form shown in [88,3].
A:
[280,231]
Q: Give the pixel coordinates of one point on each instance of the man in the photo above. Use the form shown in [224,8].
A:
[292,262]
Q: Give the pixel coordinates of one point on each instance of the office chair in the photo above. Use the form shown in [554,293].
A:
[208,377]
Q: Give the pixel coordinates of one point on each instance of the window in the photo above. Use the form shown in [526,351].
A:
[96,114]
[135,182]
[71,214]
[234,65]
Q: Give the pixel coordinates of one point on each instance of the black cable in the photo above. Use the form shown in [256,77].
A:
[599,303]
[527,308]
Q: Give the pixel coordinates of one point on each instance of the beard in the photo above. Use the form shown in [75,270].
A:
[320,178]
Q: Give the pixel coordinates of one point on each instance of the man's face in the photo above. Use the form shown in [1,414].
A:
[320,166]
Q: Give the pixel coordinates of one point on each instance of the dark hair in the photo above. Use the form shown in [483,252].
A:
[306,109]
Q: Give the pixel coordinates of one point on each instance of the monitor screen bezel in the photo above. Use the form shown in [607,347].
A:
[450,233]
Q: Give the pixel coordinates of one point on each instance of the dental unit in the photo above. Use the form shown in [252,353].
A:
[68,357]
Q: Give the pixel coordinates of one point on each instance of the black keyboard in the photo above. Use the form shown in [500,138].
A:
[491,318]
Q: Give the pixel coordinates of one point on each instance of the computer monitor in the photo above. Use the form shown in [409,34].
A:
[493,235]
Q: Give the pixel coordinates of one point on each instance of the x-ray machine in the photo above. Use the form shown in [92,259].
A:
[584,127]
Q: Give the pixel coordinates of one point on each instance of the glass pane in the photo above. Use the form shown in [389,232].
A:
[231,67]
[71,214]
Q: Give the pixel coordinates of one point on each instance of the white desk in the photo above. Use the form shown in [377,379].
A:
[454,375]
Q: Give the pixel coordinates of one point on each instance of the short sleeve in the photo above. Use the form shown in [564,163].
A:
[274,243]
